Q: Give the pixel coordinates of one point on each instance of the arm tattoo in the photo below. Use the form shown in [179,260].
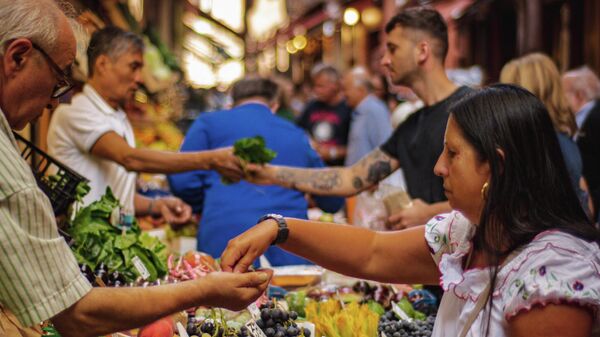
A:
[324,180]
[357,183]
[379,170]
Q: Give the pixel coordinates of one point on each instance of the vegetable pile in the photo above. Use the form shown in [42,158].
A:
[129,252]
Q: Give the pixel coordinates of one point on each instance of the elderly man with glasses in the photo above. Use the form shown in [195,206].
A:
[39,276]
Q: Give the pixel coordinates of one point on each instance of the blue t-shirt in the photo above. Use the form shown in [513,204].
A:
[229,210]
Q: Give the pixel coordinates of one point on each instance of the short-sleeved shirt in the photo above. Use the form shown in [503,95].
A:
[327,125]
[555,267]
[418,142]
[370,127]
[229,210]
[73,131]
[39,276]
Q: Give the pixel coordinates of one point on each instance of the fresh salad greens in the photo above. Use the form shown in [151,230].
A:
[97,240]
[252,150]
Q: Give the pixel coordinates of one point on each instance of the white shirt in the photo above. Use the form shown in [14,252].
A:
[554,267]
[75,128]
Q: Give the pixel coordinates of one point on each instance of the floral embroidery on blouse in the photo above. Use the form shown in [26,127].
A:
[554,268]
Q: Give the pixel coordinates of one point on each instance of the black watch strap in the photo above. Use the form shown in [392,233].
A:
[282,232]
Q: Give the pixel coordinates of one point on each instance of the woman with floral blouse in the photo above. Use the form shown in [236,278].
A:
[517,256]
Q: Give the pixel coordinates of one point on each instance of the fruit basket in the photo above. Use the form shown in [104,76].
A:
[57,181]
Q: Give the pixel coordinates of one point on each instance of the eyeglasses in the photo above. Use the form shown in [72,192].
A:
[64,80]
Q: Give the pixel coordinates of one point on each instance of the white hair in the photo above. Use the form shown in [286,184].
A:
[32,19]
[584,82]
[361,78]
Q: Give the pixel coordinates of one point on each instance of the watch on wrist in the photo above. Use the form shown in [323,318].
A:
[282,231]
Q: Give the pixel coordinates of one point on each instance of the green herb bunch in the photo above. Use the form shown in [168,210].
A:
[252,150]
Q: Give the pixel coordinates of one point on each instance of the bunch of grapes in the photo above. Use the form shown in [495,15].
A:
[211,328]
[276,322]
[393,327]
[114,279]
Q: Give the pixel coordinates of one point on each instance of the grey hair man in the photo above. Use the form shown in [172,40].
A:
[39,275]
[582,89]
[94,137]
[370,125]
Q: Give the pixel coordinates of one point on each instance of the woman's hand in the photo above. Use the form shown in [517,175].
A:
[242,250]
[233,291]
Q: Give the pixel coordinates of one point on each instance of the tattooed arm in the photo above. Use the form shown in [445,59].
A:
[342,181]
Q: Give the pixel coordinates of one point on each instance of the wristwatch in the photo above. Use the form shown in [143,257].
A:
[282,232]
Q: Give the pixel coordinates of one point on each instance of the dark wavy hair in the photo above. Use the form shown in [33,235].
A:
[529,188]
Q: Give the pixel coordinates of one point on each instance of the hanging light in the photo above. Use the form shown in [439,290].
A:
[371,17]
[351,16]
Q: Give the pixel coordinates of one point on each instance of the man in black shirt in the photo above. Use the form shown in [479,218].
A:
[327,117]
[417,44]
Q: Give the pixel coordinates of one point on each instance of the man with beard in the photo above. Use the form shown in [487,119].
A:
[417,44]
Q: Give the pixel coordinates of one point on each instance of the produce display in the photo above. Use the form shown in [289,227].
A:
[391,325]
[334,319]
[114,250]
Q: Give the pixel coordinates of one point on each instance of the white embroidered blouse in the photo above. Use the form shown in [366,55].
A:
[554,268]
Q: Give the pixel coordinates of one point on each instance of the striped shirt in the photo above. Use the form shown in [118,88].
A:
[39,276]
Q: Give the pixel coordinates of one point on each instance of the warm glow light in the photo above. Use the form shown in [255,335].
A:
[265,17]
[289,46]
[329,28]
[351,16]
[136,8]
[299,42]
[231,43]
[371,17]
[197,72]
[229,12]
[283,58]
[230,72]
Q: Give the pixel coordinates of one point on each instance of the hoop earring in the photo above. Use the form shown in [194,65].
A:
[484,191]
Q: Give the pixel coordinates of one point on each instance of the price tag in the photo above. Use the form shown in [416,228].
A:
[140,267]
[181,330]
[254,311]
[308,325]
[254,330]
[400,313]
[115,216]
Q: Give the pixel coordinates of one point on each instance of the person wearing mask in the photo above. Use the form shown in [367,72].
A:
[228,209]
[40,275]
[93,135]
[582,89]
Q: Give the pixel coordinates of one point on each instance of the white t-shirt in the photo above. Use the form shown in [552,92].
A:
[75,128]
[554,267]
